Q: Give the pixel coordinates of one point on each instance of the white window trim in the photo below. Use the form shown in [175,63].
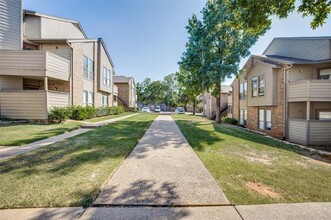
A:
[90,68]
[88,98]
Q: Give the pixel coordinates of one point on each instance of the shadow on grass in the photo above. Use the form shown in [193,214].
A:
[199,138]
[40,135]
[105,143]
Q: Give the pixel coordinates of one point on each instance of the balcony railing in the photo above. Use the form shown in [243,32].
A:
[34,63]
[30,104]
[310,90]
[312,132]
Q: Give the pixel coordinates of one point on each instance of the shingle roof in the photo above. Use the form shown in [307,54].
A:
[288,60]
[122,79]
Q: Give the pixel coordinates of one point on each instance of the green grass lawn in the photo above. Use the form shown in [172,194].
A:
[70,172]
[21,134]
[98,119]
[253,169]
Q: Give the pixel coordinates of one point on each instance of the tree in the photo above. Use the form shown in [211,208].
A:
[225,42]
[190,88]
[169,90]
[256,14]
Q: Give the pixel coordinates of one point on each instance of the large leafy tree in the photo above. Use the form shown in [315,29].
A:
[225,42]
[256,14]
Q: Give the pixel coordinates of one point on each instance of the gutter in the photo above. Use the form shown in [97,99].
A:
[71,74]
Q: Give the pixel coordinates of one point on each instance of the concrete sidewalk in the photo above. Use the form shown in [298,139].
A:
[293,211]
[7,152]
[162,170]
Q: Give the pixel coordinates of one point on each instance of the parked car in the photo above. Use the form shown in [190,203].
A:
[180,110]
[145,109]
[157,109]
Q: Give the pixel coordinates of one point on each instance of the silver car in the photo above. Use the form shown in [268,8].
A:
[145,109]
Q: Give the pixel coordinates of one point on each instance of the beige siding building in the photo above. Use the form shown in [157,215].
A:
[286,91]
[52,64]
[126,91]
[209,103]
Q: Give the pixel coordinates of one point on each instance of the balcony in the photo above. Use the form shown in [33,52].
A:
[28,63]
[309,132]
[30,104]
[310,90]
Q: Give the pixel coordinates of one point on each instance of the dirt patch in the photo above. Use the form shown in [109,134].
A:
[263,190]
[254,157]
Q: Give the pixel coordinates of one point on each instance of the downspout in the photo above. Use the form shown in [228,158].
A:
[71,74]
[285,100]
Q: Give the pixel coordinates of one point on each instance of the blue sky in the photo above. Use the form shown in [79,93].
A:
[146,38]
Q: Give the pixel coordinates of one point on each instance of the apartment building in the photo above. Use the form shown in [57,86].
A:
[286,91]
[126,91]
[48,61]
[209,102]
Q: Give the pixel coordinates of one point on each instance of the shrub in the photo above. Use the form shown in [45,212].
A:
[231,121]
[115,110]
[59,113]
[135,109]
[101,111]
[82,112]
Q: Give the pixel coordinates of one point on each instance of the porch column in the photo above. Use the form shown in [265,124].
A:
[307,122]
[46,83]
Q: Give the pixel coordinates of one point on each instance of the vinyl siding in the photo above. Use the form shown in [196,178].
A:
[269,89]
[62,50]
[34,63]
[309,49]
[297,131]
[25,63]
[11,82]
[57,67]
[319,132]
[56,29]
[23,105]
[310,90]
[32,27]
[57,99]
[104,62]
[300,72]
[88,50]
[11,24]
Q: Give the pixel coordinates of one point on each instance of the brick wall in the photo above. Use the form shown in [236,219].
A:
[123,91]
[277,113]
[77,75]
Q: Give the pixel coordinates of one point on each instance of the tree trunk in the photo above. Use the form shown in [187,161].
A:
[194,104]
[218,103]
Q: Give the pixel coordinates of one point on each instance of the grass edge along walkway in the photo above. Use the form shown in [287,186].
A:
[253,169]
[70,172]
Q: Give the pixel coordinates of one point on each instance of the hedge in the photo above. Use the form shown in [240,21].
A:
[59,114]
[231,121]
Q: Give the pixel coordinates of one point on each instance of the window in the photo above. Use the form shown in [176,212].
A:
[258,86]
[85,61]
[261,85]
[87,98]
[243,90]
[90,69]
[88,65]
[104,100]
[254,87]
[265,119]
[324,115]
[243,116]
[230,109]
[106,76]
[325,74]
